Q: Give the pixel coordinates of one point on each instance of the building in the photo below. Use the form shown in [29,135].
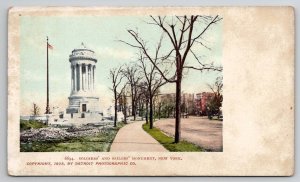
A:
[167,98]
[188,104]
[201,101]
[167,103]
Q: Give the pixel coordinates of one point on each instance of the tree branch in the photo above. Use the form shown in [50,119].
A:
[144,50]
[204,68]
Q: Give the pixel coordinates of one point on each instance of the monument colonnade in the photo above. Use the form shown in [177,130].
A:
[83,77]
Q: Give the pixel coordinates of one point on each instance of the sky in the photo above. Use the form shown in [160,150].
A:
[100,34]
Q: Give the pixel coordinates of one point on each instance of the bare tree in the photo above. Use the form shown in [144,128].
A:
[123,104]
[168,106]
[143,99]
[159,104]
[217,86]
[216,101]
[116,77]
[183,33]
[35,110]
[131,73]
[153,79]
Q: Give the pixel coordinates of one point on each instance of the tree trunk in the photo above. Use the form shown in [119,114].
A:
[146,112]
[133,100]
[177,108]
[116,105]
[151,111]
[125,114]
[134,113]
[159,110]
[174,111]
[142,109]
[154,111]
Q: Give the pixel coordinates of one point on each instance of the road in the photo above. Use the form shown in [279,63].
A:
[198,130]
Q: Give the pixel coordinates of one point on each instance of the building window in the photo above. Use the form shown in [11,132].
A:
[83,107]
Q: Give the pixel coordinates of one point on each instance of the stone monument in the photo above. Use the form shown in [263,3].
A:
[83,102]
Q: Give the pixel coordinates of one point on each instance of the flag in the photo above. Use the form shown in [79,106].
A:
[50,46]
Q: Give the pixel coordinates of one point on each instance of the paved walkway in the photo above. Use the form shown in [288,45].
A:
[198,130]
[132,138]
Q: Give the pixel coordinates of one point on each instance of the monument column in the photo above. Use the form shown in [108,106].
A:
[75,77]
[80,77]
[89,74]
[83,76]
[94,67]
[72,78]
[92,76]
[90,68]
[86,76]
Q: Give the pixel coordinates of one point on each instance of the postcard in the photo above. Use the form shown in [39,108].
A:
[151,91]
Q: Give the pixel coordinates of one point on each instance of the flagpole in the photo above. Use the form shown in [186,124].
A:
[47,106]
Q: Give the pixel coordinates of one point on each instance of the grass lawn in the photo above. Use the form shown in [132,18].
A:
[27,125]
[168,142]
[98,143]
